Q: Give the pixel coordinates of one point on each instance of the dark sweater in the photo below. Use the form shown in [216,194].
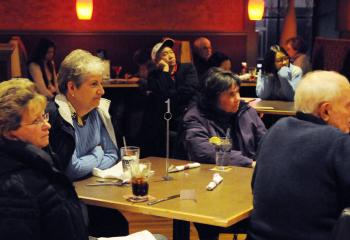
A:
[301,181]
[36,200]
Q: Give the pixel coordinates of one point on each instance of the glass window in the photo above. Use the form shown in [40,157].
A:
[270,27]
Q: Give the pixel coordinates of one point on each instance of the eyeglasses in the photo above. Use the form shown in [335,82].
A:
[43,118]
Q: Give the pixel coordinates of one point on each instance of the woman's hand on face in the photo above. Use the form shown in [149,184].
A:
[284,72]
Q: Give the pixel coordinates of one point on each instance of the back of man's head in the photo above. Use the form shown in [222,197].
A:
[325,94]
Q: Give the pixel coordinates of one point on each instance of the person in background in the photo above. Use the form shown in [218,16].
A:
[278,78]
[42,68]
[37,201]
[220,113]
[82,133]
[171,80]
[221,60]
[301,186]
[202,50]
[296,49]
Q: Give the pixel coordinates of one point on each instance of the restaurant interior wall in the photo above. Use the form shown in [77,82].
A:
[122,26]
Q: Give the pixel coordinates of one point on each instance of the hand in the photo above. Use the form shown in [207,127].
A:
[163,65]
[284,72]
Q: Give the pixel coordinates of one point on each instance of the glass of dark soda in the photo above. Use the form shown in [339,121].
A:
[140,173]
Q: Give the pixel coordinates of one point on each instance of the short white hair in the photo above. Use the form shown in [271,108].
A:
[76,66]
[318,87]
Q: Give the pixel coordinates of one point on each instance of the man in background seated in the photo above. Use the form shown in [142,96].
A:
[301,181]
[202,50]
[170,80]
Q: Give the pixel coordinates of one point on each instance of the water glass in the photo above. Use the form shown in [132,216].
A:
[129,155]
[222,152]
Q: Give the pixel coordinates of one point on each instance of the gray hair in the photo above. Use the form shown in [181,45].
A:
[76,66]
[318,87]
[18,95]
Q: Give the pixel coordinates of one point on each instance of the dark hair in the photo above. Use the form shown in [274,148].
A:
[217,58]
[217,81]
[41,49]
[298,44]
[39,56]
[269,59]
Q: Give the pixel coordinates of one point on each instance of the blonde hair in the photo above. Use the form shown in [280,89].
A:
[16,97]
[76,66]
[318,87]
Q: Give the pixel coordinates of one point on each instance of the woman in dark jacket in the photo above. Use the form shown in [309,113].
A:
[220,113]
[37,201]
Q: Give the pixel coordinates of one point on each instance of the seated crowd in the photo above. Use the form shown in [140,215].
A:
[300,178]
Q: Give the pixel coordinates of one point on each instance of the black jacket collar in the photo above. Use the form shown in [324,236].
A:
[15,155]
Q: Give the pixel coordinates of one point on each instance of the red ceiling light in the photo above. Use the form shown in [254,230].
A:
[84,9]
[256,9]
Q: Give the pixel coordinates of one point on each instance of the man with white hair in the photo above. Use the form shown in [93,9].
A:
[301,181]
[202,50]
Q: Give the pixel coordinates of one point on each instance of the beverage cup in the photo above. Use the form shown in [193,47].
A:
[140,173]
[129,155]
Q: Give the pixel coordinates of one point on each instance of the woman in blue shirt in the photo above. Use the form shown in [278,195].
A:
[82,133]
[278,78]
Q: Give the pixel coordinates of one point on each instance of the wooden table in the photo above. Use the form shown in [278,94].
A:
[229,203]
[272,106]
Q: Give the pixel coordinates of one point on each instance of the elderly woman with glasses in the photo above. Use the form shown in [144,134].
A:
[278,78]
[36,200]
[82,133]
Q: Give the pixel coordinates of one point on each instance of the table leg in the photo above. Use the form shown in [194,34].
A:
[181,230]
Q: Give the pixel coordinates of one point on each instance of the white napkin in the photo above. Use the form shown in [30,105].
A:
[217,179]
[183,167]
[113,172]
[143,235]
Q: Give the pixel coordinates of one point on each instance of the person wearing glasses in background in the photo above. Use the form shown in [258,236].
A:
[279,77]
[82,134]
[37,201]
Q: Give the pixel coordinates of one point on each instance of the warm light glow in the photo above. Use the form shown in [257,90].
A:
[84,9]
[256,9]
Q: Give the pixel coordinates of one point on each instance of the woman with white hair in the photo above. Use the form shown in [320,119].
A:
[82,133]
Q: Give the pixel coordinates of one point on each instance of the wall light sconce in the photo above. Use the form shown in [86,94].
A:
[84,9]
[256,9]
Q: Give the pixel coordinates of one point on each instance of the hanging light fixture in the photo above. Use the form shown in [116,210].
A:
[84,9]
[256,9]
